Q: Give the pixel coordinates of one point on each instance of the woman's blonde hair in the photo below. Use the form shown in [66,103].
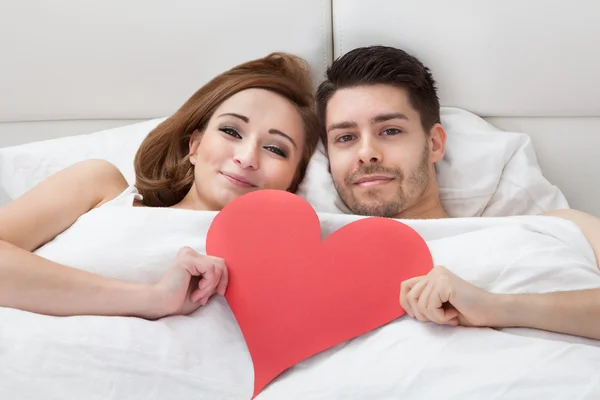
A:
[163,172]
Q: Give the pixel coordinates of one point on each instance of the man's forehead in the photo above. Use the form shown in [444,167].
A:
[367,103]
[375,92]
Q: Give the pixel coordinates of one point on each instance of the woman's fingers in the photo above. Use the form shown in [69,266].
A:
[196,295]
[214,278]
[207,284]
[224,281]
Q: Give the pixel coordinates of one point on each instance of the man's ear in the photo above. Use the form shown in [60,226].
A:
[437,139]
[194,143]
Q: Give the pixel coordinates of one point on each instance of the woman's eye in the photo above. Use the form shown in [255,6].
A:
[231,132]
[277,151]
[392,131]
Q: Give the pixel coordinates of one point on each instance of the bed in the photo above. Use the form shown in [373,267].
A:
[517,82]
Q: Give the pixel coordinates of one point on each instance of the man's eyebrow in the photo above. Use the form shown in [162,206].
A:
[342,125]
[278,132]
[242,117]
[376,119]
[387,117]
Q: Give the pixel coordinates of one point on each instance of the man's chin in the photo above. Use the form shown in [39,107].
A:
[374,208]
[374,196]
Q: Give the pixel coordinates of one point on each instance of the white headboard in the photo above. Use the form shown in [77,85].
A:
[526,66]
[108,63]
[71,67]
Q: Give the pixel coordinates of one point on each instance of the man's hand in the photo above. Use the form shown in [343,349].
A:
[444,298]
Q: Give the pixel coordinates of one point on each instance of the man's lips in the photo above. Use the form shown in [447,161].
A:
[372,180]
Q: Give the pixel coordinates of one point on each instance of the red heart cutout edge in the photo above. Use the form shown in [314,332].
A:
[293,295]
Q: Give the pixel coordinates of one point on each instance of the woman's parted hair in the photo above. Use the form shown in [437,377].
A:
[163,172]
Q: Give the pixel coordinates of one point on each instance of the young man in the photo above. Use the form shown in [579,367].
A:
[380,116]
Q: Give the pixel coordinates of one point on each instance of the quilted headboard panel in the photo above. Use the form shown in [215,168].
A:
[495,58]
[72,60]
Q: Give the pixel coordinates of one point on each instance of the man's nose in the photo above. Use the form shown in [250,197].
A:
[369,153]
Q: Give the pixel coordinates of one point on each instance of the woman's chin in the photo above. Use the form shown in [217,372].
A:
[230,194]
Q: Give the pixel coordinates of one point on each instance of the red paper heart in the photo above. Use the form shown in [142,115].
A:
[294,295]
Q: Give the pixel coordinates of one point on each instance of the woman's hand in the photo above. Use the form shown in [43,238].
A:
[190,281]
[444,298]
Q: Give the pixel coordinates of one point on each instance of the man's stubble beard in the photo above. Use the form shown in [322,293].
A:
[416,184]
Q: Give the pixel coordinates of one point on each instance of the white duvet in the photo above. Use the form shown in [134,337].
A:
[203,356]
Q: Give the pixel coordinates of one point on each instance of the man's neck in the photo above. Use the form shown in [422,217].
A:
[428,206]
[423,213]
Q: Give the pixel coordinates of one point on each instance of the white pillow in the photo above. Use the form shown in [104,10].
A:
[489,172]
[486,172]
[24,166]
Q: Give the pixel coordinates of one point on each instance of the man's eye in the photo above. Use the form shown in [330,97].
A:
[344,138]
[392,131]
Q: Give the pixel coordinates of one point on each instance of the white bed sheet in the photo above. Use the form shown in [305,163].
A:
[203,356]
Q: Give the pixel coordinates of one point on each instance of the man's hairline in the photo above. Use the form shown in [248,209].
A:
[334,90]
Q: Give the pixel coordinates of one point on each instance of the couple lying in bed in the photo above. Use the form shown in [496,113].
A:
[253,127]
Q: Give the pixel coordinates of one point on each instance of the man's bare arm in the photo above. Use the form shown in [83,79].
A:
[574,312]
[589,225]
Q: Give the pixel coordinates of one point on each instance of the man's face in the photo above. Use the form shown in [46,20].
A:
[381,159]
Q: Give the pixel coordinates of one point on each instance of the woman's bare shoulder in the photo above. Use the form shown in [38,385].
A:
[110,179]
[54,204]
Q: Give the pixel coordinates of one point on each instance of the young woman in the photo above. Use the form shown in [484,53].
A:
[250,128]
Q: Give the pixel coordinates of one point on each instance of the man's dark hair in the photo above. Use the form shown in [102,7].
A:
[381,65]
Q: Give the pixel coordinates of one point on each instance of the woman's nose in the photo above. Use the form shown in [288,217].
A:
[246,156]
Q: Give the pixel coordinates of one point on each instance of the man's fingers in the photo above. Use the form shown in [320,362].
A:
[437,307]
[446,284]
[405,287]
[429,306]
[450,316]
[413,299]
[429,297]
[424,297]
[449,313]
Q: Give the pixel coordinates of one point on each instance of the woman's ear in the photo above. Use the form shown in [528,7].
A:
[194,143]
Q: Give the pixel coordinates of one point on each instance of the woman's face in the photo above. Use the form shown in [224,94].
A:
[253,141]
